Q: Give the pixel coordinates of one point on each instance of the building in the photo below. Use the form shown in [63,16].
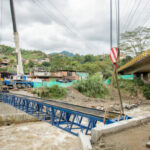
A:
[4,62]
[44,60]
[122,56]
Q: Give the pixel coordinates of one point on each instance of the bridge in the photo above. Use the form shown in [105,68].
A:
[71,118]
[137,66]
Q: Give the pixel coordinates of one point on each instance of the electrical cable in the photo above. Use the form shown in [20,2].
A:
[128,17]
[128,23]
[124,10]
[1,20]
[40,5]
[116,19]
[136,21]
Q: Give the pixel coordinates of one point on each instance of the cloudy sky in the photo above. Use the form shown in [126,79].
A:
[78,26]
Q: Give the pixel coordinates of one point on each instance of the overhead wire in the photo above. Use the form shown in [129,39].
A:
[138,19]
[131,18]
[44,8]
[128,17]
[146,20]
[1,21]
[116,10]
[124,11]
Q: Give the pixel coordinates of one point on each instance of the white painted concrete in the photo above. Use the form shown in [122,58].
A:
[85,141]
[112,128]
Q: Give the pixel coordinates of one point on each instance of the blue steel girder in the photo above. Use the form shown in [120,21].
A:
[66,119]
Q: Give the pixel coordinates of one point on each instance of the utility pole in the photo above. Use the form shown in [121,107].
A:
[110,24]
[16,40]
[118,45]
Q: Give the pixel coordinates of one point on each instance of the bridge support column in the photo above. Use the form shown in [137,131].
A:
[137,76]
[146,77]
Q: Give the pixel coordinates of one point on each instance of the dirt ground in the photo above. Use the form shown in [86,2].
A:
[112,103]
[130,139]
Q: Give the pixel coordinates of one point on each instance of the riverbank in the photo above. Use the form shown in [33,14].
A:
[9,115]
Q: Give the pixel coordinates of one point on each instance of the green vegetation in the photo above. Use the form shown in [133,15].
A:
[92,87]
[136,41]
[88,63]
[128,85]
[133,86]
[146,91]
[52,92]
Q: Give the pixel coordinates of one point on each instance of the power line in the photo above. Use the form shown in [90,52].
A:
[128,17]
[1,21]
[75,33]
[72,26]
[50,16]
[128,23]
[137,20]
[116,19]
[124,10]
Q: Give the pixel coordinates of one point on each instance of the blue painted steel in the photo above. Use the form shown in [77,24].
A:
[63,118]
[12,83]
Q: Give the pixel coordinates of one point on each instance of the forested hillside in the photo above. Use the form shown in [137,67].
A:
[58,61]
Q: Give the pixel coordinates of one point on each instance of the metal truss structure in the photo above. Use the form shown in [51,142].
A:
[70,120]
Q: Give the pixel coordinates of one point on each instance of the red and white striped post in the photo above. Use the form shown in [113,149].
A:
[114,56]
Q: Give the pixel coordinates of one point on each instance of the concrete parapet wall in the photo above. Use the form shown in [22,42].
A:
[9,114]
[97,132]
[85,142]
[16,118]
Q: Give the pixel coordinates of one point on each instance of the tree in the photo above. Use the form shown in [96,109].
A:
[31,64]
[135,42]
[89,58]
[46,64]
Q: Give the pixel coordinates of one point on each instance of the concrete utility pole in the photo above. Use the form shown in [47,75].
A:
[16,40]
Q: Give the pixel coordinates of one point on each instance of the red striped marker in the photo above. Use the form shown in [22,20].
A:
[114,56]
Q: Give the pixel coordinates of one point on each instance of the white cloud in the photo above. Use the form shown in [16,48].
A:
[79,26]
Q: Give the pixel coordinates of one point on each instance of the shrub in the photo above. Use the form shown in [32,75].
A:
[93,87]
[52,92]
[146,91]
[129,85]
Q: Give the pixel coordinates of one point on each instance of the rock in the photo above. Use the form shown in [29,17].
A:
[148,144]
[102,145]
[116,108]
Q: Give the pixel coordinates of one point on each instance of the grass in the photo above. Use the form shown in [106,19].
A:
[55,92]
[133,86]
[92,87]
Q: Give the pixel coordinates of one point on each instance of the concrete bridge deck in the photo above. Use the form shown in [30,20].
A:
[138,65]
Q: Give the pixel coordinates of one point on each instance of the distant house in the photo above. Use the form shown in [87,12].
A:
[4,62]
[123,56]
[39,73]
[26,61]
[44,60]
[69,74]
[35,60]
[82,75]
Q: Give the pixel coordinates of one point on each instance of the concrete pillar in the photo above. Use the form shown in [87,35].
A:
[146,77]
[137,76]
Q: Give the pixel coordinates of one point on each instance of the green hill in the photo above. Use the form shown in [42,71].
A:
[54,62]
[66,53]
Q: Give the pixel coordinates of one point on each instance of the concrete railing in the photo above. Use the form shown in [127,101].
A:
[134,60]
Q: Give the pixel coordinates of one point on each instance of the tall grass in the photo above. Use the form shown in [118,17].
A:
[92,87]
[51,92]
